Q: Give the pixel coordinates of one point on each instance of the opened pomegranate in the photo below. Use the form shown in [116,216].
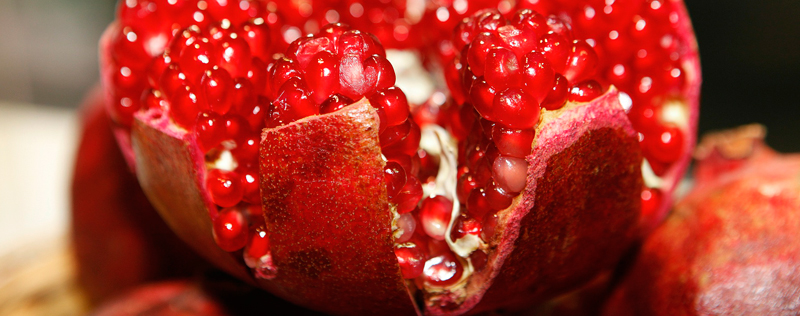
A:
[730,246]
[305,174]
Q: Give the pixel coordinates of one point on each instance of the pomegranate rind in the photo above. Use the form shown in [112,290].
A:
[170,171]
[328,216]
[576,217]
[730,246]
[118,238]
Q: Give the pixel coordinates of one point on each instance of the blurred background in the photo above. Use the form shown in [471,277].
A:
[750,57]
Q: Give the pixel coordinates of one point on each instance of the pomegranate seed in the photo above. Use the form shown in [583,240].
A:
[651,200]
[465,225]
[502,68]
[257,35]
[225,187]
[209,131]
[582,62]
[322,74]
[465,186]
[394,134]
[293,103]
[411,258]
[407,224]
[256,247]
[435,214]
[513,142]
[378,69]
[537,75]
[196,58]
[409,195]
[556,49]
[216,85]
[230,229]
[585,91]
[479,49]
[395,177]
[185,105]
[489,226]
[510,173]
[392,105]
[482,96]
[443,269]
[172,80]
[666,145]
[334,103]
[250,185]
[516,109]
[235,56]
[477,203]
[558,94]
[496,197]
[246,151]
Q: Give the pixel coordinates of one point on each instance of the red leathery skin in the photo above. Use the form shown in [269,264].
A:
[118,238]
[344,245]
[730,246]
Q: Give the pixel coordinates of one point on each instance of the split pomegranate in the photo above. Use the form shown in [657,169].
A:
[730,246]
[304,173]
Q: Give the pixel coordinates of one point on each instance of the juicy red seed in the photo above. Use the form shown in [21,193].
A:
[483,172]
[243,96]
[395,177]
[502,68]
[258,75]
[537,75]
[256,247]
[651,200]
[172,80]
[665,145]
[209,131]
[411,258]
[334,103]
[217,85]
[465,225]
[516,109]
[156,69]
[479,49]
[123,109]
[466,184]
[185,106]
[409,195]
[394,134]
[283,69]
[196,59]
[154,100]
[644,117]
[443,269]
[235,56]
[513,142]
[519,39]
[257,35]
[293,103]
[353,83]
[393,103]
[477,203]
[379,68]
[322,75]
[407,146]
[585,91]
[434,216]
[497,198]
[246,151]
[250,186]
[556,49]
[225,187]
[558,94]
[230,229]
[482,96]
[582,62]
[510,173]
[489,225]
[408,224]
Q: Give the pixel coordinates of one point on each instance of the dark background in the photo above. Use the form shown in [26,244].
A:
[750,54]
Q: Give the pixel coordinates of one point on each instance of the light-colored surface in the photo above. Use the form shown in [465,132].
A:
[37,145]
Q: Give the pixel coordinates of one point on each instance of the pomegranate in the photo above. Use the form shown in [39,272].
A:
[306,174]
[118,238]
[729,246]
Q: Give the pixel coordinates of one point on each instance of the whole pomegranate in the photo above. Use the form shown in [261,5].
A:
[301,169]
[730,246]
